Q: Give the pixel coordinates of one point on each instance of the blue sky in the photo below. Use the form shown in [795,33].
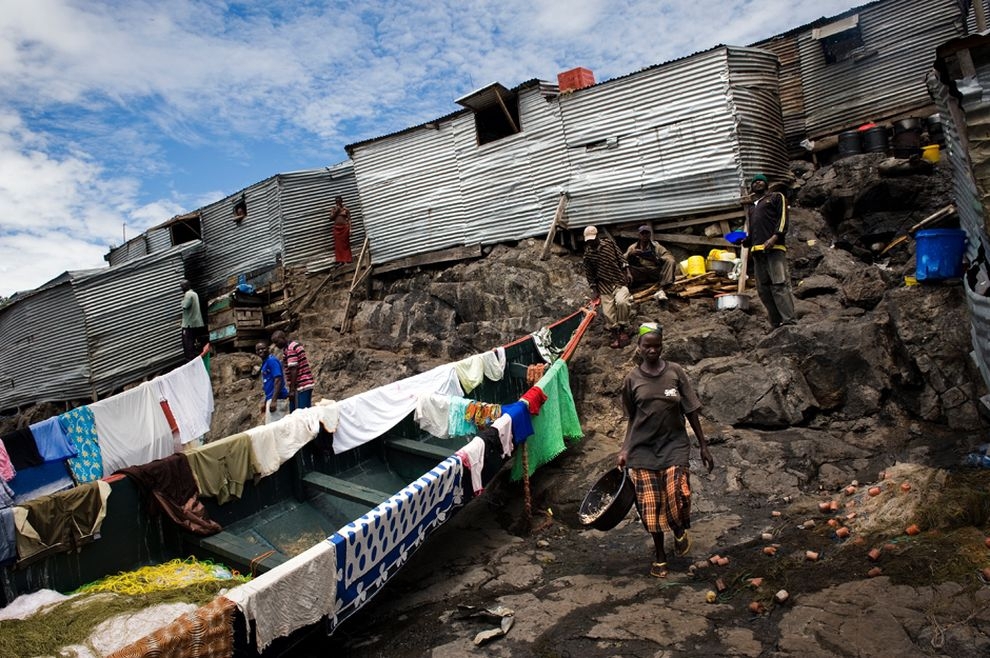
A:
[115,116]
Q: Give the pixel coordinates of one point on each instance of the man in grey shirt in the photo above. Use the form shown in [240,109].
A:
[194,334]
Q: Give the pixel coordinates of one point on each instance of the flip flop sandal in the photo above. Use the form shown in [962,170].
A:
[659,570]
[682,544]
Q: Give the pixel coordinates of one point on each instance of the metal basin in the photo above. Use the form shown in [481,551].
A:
[730,301]
[721,267]
[608,501]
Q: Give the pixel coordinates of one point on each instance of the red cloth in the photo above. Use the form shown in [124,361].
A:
[535,398]
[342,242]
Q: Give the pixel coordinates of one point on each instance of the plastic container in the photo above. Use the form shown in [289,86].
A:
[875,140]
[850,143]
[939,253]
[696,266]
[931,153]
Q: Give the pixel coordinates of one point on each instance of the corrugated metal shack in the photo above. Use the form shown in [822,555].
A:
[960,86]
[671,140]
[866,64]
[87,333]
[285,218]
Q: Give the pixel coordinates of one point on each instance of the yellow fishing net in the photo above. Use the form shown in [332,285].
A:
[176,574]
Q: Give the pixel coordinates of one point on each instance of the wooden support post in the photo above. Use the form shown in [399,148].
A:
[557,216]
[358,277]
[508,115]
[744,254]
[934,217]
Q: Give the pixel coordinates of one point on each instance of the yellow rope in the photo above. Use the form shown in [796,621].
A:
[174,574]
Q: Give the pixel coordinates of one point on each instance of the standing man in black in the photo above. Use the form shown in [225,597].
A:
[768,226]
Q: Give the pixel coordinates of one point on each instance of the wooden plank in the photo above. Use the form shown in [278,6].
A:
[235,549]
[347,490]
[557,216]
[420,448]
[691,240]
[430,258]
[358,276]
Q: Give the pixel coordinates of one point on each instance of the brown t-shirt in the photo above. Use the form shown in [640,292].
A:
[657,438]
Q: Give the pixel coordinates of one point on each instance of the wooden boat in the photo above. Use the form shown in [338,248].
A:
[315,495]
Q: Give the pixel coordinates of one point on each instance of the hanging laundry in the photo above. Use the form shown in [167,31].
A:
[371,549]
[460,423]
[189,392]
[543,341]
[472,456]
[8,535]
[22,448]
[7,470]
[433,414]
[473,370]
[324,413]
[6,496]
[534,399]
[503,425]
[222,467]
[42,480]
[131,428]
[292,595]
[168,485]
[368,415]
[80,429]
[60,522]
[557,421]
[482,414]
[276,443]
[534,372]
[52,442]
[522,422]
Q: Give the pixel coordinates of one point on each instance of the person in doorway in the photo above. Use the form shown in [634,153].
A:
[768,226]
[608,276]
[341,218]
[650,262]
[194,334]
[657,396]
[276,403]
[298,376]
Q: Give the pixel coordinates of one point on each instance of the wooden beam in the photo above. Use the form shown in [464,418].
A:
[431,258]
[659,225]
[508,116]
[358,275]
[690,240]
[934,217]
[557,216]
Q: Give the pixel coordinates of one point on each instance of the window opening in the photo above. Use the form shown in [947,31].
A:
[240,210]
[185,230]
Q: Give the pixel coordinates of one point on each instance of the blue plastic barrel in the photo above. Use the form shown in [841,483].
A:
[939,253]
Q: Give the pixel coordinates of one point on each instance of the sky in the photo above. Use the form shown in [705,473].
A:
[116,116]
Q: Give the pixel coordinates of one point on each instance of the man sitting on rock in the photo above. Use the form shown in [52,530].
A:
[650,262]
[608,275]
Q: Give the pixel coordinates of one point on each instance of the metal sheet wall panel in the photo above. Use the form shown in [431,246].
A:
[43,355]
[129,341]
[410,192]
[903,35]
[234,248]
[307,198]
[968,181]
[791,89]
[133,248]
[159,239]
[755,97]
[510,187]
[657,144]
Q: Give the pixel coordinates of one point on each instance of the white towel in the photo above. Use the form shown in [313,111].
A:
[276,443]
[131,428]
[294,594]
[475,453]
[368,415]
[504,426]
[433,414]
[189,392]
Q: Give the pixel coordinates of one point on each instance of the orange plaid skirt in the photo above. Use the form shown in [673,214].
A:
[663,499]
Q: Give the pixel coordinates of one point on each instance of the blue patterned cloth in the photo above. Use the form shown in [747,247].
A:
[459,425]
[78,425]
[371,549]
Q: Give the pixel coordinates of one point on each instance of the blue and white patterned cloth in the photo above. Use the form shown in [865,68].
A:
[370,550]
[81,430]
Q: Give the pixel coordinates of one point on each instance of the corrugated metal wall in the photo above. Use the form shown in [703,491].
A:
[159,239]
[410,192]
[904,34]
[234,248]
[755,95]
[511,186]
[969,180]
[133,316]
[43,354]
[660,143]
[791,89]
[133,248]
[306,202]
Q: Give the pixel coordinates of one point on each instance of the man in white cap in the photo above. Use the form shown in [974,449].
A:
[608,276]
[650,262]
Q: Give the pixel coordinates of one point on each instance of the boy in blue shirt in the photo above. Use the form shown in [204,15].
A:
[276,404]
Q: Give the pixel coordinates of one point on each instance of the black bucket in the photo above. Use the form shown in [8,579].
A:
[608,501]
[849,143]
[875,140]
[907,143]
